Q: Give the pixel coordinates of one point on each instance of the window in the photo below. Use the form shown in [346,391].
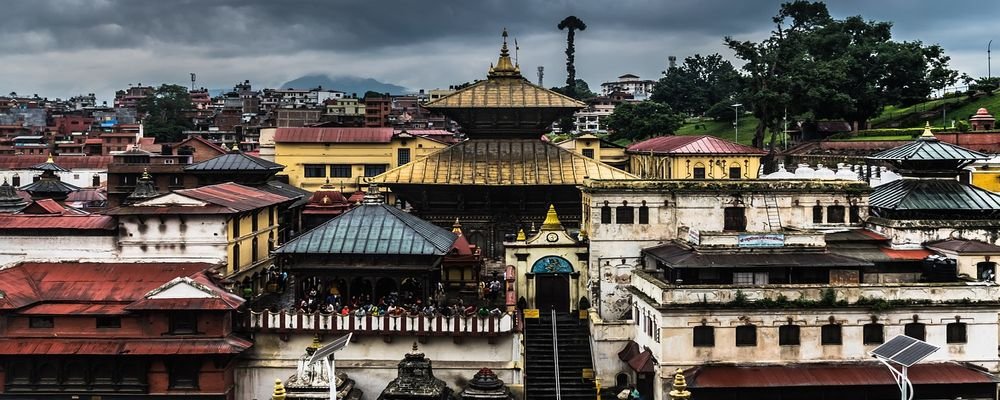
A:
[699,172]
[704,336]
[40,322]
[625,214]
[915,330]
[818,214]
[176,180]
[831,334]
[750,278]
[835,214]
[606,214]
[374,169]
[643,215]
[588,153]
[95,181]
[340,171]
[315,171]
[16,181]
[254,248]
[270,217]
[746,335]
[236,257]
[735,173]
[956,332]
[183,323]
[873,333]
[254,221]
[735,219]
[855,214]
[236,226]
[127,180]
[184,374]
[109,322]
[402,156]
[788,335]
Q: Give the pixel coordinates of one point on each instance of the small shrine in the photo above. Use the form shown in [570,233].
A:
[10,201]
[549,264]
[323,205]
[49,185]
[486,385]
[416,381]
[982,121]
[312,380]
[144,189]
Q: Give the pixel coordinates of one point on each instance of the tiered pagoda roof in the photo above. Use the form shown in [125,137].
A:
[10,201]
[416,381]
[48,185]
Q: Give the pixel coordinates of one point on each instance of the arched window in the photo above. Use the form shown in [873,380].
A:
[606,213]
[643,213]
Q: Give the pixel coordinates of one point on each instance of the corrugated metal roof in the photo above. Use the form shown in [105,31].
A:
[501,162]
[230,162]
[333,135]
[932,194]
[930,148]
[168,346]
[233,196]
[373,229]
[68,162]
[49,186]
[87,195]
[702,144]
[508,92]
[906,254]
[75,309]
[678,256]
[823,374]
[63,222]
[965,246]
[300,195]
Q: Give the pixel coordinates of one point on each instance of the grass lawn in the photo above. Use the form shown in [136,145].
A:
[721,129]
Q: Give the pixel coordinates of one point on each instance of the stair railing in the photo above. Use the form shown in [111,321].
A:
[555,355]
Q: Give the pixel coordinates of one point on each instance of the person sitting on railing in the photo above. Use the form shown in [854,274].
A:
[329,309]
[483,312]
[345,311]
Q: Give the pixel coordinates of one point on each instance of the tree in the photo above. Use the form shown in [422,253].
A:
[163,113]
[571,24]
[697,84]
[581,90]
[636,121]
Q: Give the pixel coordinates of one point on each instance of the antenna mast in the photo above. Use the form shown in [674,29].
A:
[541,74]
[192,81]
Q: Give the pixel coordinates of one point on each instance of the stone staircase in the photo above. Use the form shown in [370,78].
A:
[573,358]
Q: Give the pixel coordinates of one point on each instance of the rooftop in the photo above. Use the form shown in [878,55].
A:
[933,194]
[703,144]
[235,161]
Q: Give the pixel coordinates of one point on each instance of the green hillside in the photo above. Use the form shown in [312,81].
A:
[958,108]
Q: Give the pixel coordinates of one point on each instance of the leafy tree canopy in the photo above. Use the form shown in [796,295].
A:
[697,84]
[637,121]
[581,91]
[163,113]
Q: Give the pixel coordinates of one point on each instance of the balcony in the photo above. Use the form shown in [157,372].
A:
[439,325]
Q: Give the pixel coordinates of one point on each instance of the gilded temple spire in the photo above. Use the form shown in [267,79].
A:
[505,67]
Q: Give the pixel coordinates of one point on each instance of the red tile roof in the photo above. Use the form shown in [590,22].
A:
[906,255]
[30,283]
[202,140]
[66,346]
[703,144]
[234,196]
[68,162]
[75,309]
[853,374]
[63,222]
[49,206]
[333,135]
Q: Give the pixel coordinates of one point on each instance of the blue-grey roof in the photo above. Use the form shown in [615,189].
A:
[932,194]
[289,191]
[375,229]
[928,149]
[235,161]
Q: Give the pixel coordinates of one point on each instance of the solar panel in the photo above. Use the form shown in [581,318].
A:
[334,346]
[905,350]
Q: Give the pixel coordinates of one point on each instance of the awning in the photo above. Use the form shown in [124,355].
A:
[630,350]
[63,346]
[639,360]
[824,374]
[678,256]
[882,254]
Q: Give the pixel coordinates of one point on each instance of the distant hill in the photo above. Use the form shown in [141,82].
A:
[346,84]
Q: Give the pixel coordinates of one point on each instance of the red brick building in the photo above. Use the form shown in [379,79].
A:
[123,331]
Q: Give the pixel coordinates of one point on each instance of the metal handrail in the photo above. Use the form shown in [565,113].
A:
[555,355]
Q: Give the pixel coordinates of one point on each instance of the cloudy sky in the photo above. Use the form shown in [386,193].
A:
[58,48]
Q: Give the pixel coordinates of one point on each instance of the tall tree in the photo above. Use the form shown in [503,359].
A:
[163,113]
[697,84]
[571,24]
[636,121]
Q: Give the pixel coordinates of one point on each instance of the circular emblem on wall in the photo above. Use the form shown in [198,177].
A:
[552,237]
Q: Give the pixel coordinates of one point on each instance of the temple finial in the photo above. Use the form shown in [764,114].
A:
[927,131]
[504,67]
[679,386]
[521,236]
[552,222]
[279,390]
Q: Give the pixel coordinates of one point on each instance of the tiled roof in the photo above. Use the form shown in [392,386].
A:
[929,148]
[8,162]
[333,135]
[965,246]
[235,161]
[501,162]
[932,194]
[60,222]
[373,229]
[113,347]
[703,144]
[202,140]
[234,196]
[505,92]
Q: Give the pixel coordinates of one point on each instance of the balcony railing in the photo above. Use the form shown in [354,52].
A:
[382,325]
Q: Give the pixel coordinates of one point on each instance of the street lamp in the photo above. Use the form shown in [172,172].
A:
[736,124]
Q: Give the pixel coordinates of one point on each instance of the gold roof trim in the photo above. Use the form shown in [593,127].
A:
[501,162]
[552,222]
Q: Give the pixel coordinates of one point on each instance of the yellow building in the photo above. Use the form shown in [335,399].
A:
[345,156]
[599,149]
[693,157]
[348,107]
[986,174]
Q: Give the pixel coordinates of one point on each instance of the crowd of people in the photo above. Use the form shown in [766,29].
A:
[405,303]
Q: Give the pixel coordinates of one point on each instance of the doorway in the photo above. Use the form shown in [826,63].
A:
[552,291]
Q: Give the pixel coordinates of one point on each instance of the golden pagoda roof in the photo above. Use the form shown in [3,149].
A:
[505,88]
[521,162]
[552,222]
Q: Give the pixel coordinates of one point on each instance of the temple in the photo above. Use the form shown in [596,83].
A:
[312,380]
[416,381]
[504,176]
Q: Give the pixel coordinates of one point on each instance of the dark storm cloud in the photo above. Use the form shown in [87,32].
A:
[69,46]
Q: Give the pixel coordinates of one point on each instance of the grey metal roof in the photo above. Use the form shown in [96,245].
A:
[375,229]
[48,166]
[49,186]
[289,191]
[678,256]
[928,148]
[932,194]
[235,162]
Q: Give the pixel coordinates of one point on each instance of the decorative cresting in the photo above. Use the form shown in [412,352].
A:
[552,222]
[552,265]
[505,67]
[679,386]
